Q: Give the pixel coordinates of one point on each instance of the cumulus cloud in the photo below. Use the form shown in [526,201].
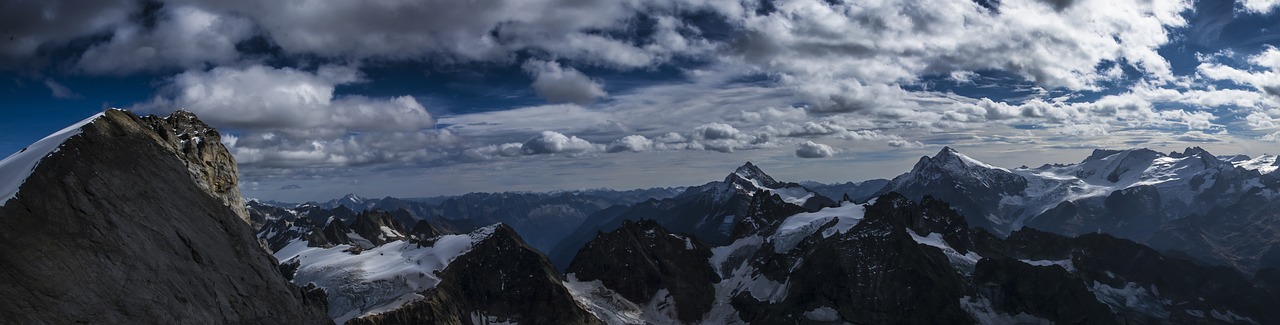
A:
[183,36]
[554,142]
[1258,6]
[1266,80]
[849,56]
[291,118]
[810,149]
[896,143]
[261,97]
[716,131]
[632,143]
[544,143]
[563,84]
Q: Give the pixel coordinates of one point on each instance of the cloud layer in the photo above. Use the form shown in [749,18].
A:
[609,81]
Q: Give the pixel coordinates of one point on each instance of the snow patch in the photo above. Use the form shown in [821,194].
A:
[379,279]
[18,167]
[605,304]
[982,311]
[966,261]
[1131,297]
[800,226]
[1065,264]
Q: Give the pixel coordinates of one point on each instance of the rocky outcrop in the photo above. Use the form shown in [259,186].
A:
[200,147]
[641,258]
[136,221]
[502,279]
[378,227]
[1048,292]
[874,273]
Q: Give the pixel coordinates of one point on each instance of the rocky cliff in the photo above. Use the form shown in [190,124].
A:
[138,220]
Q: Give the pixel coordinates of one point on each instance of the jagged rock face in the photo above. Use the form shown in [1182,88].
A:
[764,215]
[423,230]
[874,273]
[1138,283]
[114,228]
[1045,291]
[973,188]
[710,212]
[378,227]
[501,279]
[907,262]
[641,258]
[208,161]
[1245,236]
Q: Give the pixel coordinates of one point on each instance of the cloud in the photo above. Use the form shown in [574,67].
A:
[60,91]
[1266,79]
[632,143]
[549,142]
[810,149]
[844,57]
[562,84]
[290,118]
[265,98]
[1258,6]
[905,144]
[481,31]
[1272,137]
[716,131]
[183,37]
[32,25]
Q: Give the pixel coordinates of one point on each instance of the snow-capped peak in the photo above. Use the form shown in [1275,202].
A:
[18,166]
[1264,164]
[352,197]
[950,157]
[749,172]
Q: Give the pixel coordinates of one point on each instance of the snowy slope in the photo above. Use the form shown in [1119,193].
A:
[800,226]
[15,169]
[378,279]
[1183,180]
[1264,164]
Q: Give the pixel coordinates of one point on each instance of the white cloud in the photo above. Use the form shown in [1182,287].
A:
[184,37]
[1266,80]
[549,142]
[716,131]
[810,149]
[563,84]
[632,143]
[291,118]
[840,53]
[1259,6]
[1272,137]
[905,144]
[260,97]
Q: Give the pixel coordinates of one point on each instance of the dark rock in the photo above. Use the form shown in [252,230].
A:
[1049,292]
[640,258]
[128,224]
[502,278]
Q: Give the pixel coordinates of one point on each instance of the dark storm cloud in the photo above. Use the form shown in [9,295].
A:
[28,27]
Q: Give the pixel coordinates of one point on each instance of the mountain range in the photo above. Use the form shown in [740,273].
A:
[127,219]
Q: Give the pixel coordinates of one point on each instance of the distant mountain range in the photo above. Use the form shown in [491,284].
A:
[1220,210]
[127,219]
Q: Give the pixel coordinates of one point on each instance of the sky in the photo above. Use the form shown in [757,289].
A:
[420,98]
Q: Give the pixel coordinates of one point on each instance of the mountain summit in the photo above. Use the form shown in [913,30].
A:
[125,219]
